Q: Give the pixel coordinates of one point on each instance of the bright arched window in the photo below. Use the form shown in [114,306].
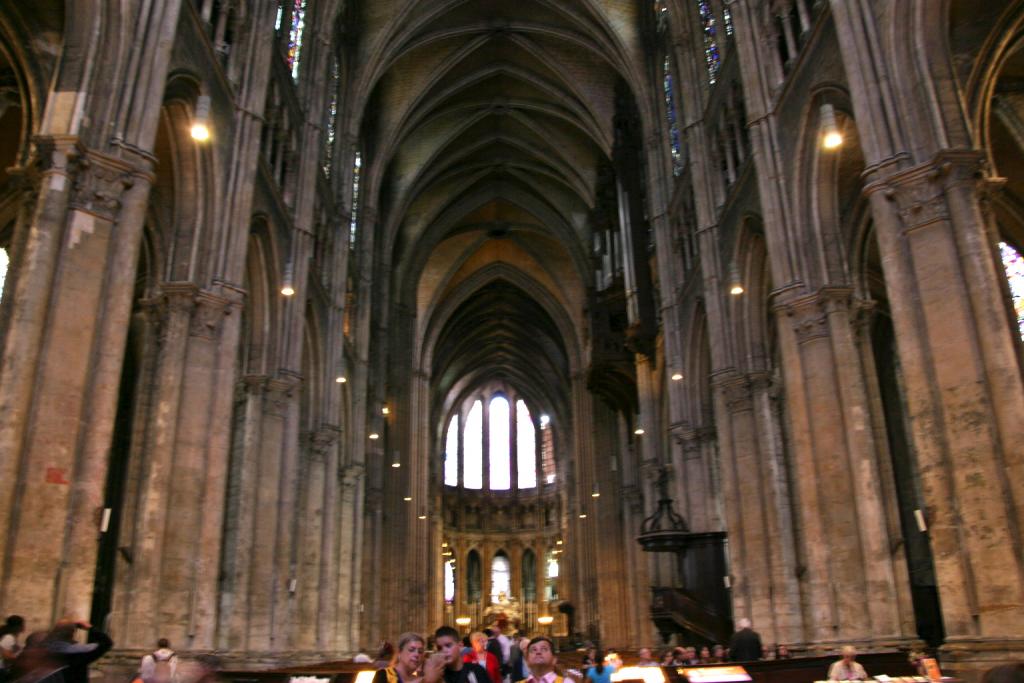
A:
[1013,263]
[501,577]
[451,453]
[4,262]
[513,454]
[473,448]
[449,581]
[526,447]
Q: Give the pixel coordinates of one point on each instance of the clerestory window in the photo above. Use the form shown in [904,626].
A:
[496,445]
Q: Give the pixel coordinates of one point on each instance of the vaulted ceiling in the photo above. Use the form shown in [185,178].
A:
[485,125]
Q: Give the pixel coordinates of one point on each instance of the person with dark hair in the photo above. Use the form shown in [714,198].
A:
[540,660]
[1005,673]
[35,663]
[385,653]
[407,661]
[600,672]
[9,648]
[76,657]
[447,662]
[161,665]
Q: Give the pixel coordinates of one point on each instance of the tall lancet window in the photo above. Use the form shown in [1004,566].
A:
[449,581]
[295,36]
[1013,263]
[499,455]
[710,29]
[451,453]
[473,448]
[332,116]
[353,226]
[668,86]
[526,447]
[4,262]
[501,577]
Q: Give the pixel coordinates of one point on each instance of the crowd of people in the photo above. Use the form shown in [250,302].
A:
[487,656]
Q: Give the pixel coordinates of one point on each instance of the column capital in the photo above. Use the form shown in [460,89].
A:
[919,192]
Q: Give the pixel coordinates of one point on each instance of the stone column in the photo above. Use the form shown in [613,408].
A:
[964,394]
[842,521]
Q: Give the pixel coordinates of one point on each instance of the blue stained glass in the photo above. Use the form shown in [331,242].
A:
[295,37]
[711,55]
[1013,264]
[673,126]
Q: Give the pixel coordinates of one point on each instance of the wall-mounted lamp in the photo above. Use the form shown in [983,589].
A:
[385,410]
[373,436]
[735,284]
[408,499]
[583,515]
[676,376]
[286,285]
[201,119]
[639,431]
[594,492]
[831,138]
[340,379]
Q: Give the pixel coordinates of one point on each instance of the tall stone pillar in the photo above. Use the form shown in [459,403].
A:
[61,366]
[962,377]
[842,521]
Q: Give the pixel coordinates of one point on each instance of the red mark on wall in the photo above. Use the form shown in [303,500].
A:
[55,475]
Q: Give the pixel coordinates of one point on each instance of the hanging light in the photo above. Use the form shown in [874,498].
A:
[735,284]
[422,515]
[385,410]
[583,515]
[408,499]
[374,436]
[396,459]
[831,138]
[639,431]
[201,119]
[594,492]
[676,376]
[340,379]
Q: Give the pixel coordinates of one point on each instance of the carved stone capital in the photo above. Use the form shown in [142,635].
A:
[208,316]
[809,314]
[920,194]
[100,183]
[736,390]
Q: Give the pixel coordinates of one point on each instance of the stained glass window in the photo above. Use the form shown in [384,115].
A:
[332,116]
[1013,263]
[449,581]
[4,261]
[473,576]
[526,447]
[451,453]
[547,453]
[354,223]
[673,126]
[295,36]
[529,576]
[501,577]
[472,448]
[711,55]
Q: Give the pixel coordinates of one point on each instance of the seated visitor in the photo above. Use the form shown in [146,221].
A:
[846,669]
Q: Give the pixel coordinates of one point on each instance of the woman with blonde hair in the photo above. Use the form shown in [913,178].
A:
[408,659]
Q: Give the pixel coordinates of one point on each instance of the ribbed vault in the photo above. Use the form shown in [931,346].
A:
[484,128]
